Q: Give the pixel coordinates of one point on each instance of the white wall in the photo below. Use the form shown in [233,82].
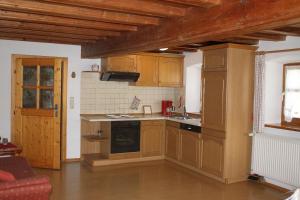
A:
[273,84]
[76,64]
[192,79]
[273,81]
[274,75]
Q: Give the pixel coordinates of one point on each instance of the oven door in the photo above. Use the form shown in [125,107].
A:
[125,136]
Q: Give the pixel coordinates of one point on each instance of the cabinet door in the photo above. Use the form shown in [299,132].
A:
[170,72]
[214,100]
[120,63]
[215,59]
[147,66]
[152,134]
[189,148]
[212,151]
[172,142]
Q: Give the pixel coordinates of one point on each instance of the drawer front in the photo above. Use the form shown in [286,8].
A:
[173,124]
[152,123]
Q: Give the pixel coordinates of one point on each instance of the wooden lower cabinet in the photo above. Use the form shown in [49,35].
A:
[212,151]
[189,148]
[172,142]
[152,138]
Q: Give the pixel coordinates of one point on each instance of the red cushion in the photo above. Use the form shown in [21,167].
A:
[6,176]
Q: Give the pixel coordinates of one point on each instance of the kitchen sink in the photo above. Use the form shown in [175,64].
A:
[182,117]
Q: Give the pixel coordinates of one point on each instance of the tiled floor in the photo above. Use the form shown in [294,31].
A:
[148,181]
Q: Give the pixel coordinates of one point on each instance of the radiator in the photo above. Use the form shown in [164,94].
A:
[277,158]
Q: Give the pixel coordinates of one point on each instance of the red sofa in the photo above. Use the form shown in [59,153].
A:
[27,186]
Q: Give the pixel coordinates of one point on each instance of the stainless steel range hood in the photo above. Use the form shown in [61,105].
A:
[120,76]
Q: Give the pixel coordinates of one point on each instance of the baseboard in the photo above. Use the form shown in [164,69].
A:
[107,162]
[72,160]
[278,185]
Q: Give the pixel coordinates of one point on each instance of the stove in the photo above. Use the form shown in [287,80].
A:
[125,116]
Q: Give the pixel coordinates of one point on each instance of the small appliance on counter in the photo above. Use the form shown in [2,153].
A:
[166,108]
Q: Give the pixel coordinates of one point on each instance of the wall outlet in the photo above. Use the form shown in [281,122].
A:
[72,102]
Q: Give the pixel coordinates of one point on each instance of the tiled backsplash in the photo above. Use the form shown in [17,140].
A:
[102,97]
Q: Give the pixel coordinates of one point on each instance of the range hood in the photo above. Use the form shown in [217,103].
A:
[120,76]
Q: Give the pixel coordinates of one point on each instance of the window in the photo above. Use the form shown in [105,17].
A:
[291,95]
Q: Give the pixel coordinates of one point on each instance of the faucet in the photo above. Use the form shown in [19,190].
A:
[185,115]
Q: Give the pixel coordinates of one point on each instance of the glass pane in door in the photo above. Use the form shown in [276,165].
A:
[29,98]
[46,76]
[30,75]
[46,99]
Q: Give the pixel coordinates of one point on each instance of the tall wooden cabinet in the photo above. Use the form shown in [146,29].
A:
[227,102]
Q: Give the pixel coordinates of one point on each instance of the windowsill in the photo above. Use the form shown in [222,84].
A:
[284,127]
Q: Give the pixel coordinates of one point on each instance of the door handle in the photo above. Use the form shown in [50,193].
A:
[56,110]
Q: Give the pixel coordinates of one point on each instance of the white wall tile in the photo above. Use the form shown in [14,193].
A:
[102,97]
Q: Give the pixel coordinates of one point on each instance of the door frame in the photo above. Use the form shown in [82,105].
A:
[64,102]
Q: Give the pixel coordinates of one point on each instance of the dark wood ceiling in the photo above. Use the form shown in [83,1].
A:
[276,35]
[86,21]
[100,25]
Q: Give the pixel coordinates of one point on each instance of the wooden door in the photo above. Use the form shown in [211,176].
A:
[214,100]
[212,152]
[147,66]
[170,71]
[189,145]
[37,110]
[125,63]
[152,133]
[172,142]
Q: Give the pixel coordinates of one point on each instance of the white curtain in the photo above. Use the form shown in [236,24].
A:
[259,94]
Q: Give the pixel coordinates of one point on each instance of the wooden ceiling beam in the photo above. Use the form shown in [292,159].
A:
[77,12]
[44,19]
[129,6]
[264,36]
[57,29]
[199,3]
[241,41]
[290,31]
[183,48]
[51,34]
[40,38]
[231,19]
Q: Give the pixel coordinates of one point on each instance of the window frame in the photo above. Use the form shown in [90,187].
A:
[295,121]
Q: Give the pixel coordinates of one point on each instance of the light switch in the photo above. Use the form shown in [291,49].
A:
[72,102]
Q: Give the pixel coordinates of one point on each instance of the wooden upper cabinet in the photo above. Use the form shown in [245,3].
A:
[215,59]
[152,137]
[147,66]
[125,63]
[212,151]
[189,148]
[170,71]
[214,100]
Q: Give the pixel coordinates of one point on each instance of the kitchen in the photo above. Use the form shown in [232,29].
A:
[126,119]
[148,99]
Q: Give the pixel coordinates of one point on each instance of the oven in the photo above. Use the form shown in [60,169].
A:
[125,136]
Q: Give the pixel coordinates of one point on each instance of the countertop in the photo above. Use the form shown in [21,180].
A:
[139,117]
